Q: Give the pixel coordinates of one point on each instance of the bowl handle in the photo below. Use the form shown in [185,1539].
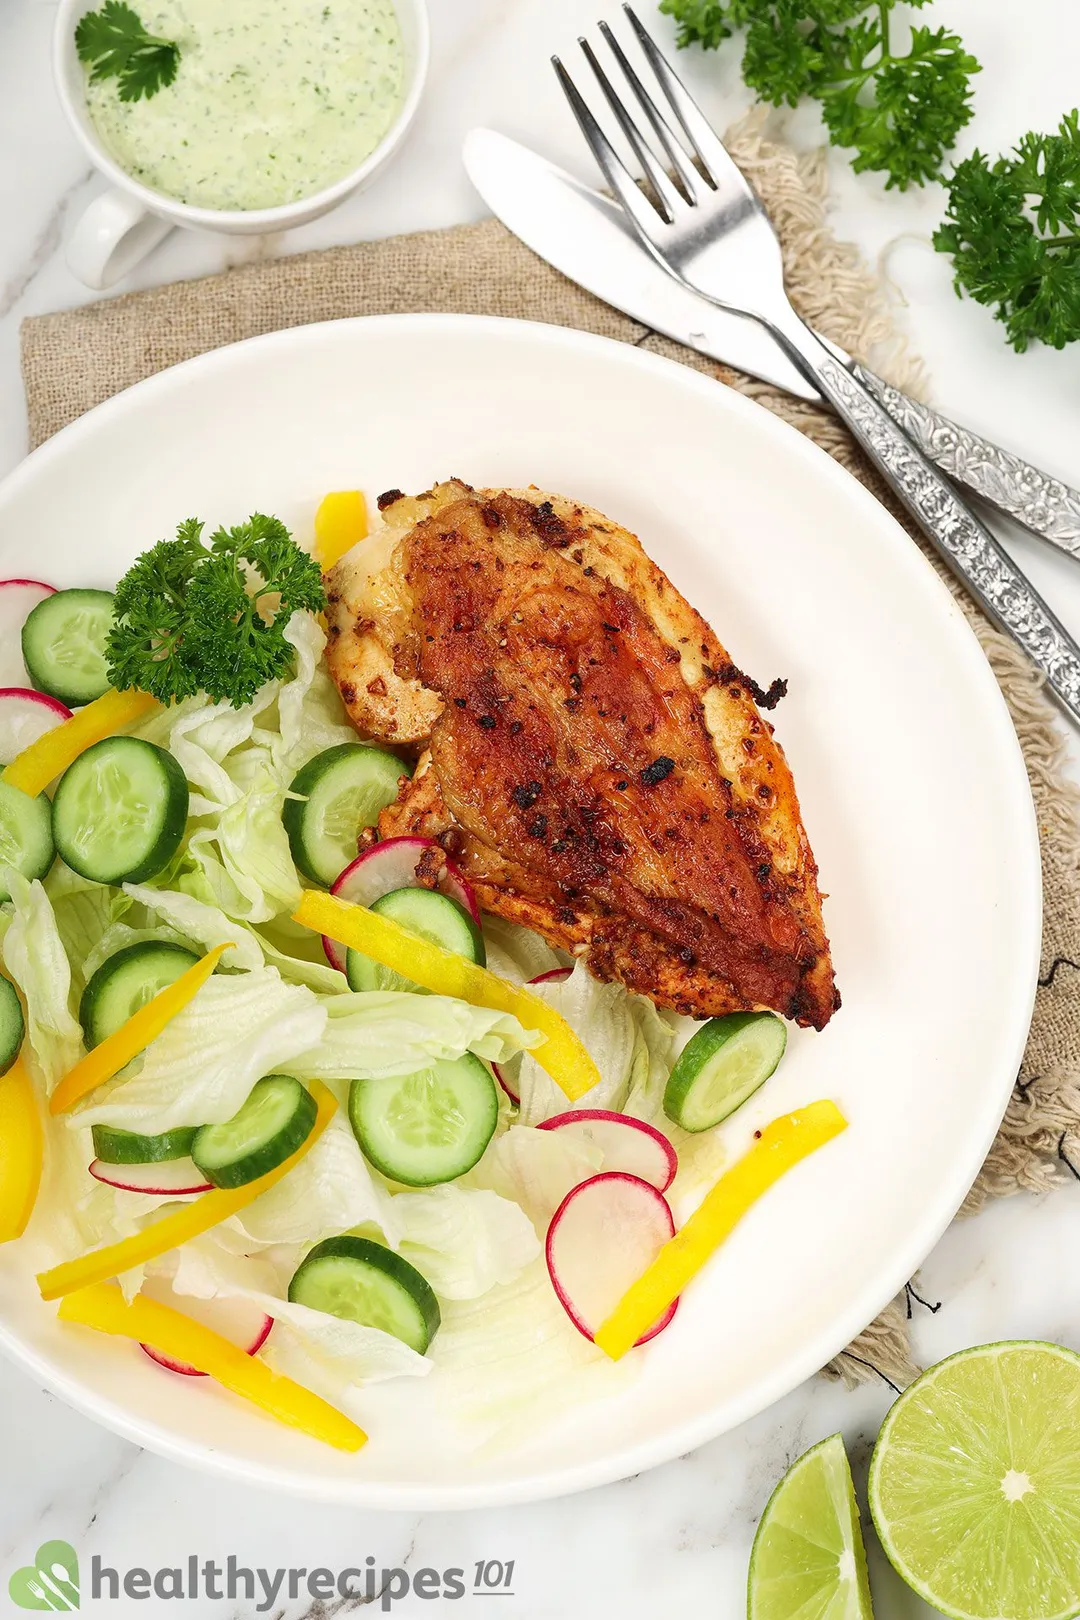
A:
[114,234]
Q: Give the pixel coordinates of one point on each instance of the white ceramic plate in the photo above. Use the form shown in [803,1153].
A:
[909,773]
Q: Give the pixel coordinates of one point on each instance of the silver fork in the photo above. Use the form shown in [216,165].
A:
[705,225]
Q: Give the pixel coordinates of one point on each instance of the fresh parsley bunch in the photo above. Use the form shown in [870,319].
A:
[1013,229]
[117,45]
[196,619]
[899,110]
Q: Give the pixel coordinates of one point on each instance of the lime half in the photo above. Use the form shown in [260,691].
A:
[975,1484]
[808,1561]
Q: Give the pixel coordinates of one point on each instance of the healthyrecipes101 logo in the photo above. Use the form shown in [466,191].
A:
[51,1581]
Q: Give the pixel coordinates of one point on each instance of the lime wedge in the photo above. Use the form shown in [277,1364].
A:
[975,1484]
[808,1561]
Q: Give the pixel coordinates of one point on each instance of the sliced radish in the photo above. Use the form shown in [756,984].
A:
[552,976]
[26,715]
[392,865]
[18,597]
[606,1232]
[238,1320]
[627,1144]
[170,1179]
[506,1074]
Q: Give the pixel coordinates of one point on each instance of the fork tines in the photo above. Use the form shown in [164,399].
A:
[698,162]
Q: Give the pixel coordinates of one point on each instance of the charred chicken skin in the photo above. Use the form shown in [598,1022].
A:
[592,759]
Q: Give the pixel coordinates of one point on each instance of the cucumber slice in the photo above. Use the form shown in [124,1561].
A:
[63,645]
[122,984]
[120,811]
[12,1025]
[722,1065]
[127,1147]
[341,791]
[426,912]
[26,835]
[361,1281]
[428,1127]
[277,1117]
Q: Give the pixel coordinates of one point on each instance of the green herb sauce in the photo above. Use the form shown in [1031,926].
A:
[273,101]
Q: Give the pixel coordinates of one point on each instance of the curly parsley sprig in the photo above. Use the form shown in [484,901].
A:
[196,619]
[899,110]
[1013,229]
[118,46]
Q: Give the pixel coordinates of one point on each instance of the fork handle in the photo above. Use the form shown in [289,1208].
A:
[1046,506]
[965,544]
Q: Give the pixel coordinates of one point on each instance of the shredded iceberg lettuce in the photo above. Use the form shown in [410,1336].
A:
[202,924]
[701,1154]
[464,1240]
[254,845]
[602,1015]
[536,1169]
[333,1357]
[237,855]
[311,715]
[516,953]
[317,975]
[329,1191]
[157,727]
[85,914]
[650,1063]
[511,1362]
[336,1359]
[372,1034]
[120,936]
[200,1069]
[35,959]
[75,1212]
[202,742]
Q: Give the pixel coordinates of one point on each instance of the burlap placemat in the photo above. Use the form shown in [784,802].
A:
[73,360]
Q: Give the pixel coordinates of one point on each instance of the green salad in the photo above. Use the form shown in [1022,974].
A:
[184,1038]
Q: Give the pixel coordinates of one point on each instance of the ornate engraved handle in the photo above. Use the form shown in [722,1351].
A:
[965,544]
[1042,504]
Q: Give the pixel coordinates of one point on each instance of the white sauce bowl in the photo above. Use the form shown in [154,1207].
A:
[120,227]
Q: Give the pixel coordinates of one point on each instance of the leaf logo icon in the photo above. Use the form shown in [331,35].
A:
[50,1582]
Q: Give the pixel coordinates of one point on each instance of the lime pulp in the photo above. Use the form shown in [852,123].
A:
[808,1561]
[975,1483]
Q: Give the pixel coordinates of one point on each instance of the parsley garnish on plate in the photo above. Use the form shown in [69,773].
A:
[117,45]
[900,110]
[1013,229]
[196,619]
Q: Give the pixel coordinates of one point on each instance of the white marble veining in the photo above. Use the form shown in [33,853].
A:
[674,1541]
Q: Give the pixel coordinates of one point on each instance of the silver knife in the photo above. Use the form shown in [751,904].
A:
[585,236]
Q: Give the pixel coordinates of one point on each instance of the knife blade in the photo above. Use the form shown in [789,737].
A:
[584,235]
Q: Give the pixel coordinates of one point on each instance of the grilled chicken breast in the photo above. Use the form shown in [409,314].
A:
[592,759]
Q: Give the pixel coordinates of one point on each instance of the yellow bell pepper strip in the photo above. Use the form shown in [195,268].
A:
[147,1321]
[22,1149]
[340,522]
[144,1026]
[447,974]
[781,1145]
[182,1225]
[44,760]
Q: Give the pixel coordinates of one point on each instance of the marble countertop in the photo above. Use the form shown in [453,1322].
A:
[674,1541]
